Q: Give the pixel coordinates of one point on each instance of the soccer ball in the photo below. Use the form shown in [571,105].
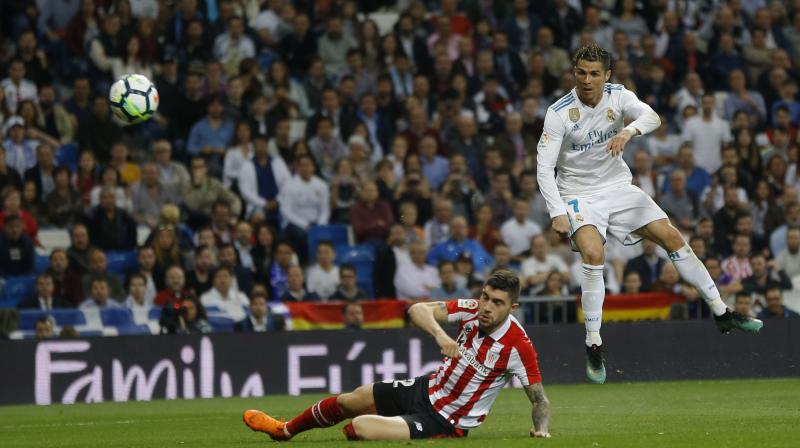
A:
[133,98]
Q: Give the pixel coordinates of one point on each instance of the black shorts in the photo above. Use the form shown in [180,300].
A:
[409,399]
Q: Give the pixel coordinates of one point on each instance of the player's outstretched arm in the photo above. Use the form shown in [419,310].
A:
[541,410]
[429,316]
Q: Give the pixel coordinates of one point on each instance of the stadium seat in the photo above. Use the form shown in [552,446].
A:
[154,314]
[18,289]
[42,263]
[221,324]
[133,330]
[67,155]
[116,317]
[121,262]
[335,233]
[63,317]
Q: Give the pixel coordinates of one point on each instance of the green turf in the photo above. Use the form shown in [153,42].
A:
[741,414]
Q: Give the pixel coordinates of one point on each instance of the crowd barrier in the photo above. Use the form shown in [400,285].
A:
[144,368]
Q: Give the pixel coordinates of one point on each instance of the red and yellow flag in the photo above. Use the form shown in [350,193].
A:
[328,316]
[643,306]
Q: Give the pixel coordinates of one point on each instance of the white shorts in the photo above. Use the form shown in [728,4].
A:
[620,212]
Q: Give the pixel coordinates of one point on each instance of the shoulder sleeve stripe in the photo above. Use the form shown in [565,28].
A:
[562,106]
[563,99]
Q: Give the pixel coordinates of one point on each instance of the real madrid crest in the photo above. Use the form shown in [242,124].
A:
[574,114]
[543,141]
[579,218]
[611,115]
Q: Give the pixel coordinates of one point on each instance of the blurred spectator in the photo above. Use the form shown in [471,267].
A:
[697,178]
[500,198]
[210,136]
[175,290]
[348,289]
[110,227]
[242,277]
[19,150]
[232,46]
[110,180]
[98,268]
[707,133]
[679,202]
[259,320]
[326,147]
[222,223]
[764,276]
[386,261]
[457,244]
[668,281]
[243,243]
[414,189]
[743,303]
[279,268]
[86,176]
[632,283]
[323,276]
[414,279]
[43,172]
[371,217]
[261,253]
[434,166]
[537,267]
[80,104]
[788,260]
[164,241]
[513,144]
[260,181]
[9,177]
[43,328]
[649,265]
[483,230]
[738,264]
[725,221]
[66,278]
[344,191]
[333,46]
[146,267]
[778,239]
[202,191]
[448,289]
[16,249]
[129,173]
[149,196]
[63,205]
[79,248]
[775,306]
[44,299]
[172,175]
[192,317]
[137,300]
[353,314]
[12,206]
[518,230]
[740,98]
[98,132]
[295,287]
[437,228]
[16,87]
[199,279]
[305,200]
[99,297]
[230,301]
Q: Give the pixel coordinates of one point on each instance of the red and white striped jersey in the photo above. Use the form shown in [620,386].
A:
[464,389]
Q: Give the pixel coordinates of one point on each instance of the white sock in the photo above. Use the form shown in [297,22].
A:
[593,291]
[695,273]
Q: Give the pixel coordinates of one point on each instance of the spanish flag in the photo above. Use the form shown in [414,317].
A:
[644,306]
[328,316]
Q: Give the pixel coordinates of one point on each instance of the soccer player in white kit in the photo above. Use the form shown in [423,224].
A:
[592,195]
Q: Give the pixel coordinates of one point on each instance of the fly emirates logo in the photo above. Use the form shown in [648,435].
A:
[595,138]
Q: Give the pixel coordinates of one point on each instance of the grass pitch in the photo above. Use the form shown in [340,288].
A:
[741,413]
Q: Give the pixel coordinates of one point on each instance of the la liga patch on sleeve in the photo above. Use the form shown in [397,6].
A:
[468,304]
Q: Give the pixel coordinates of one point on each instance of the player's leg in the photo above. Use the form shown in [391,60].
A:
[322,414]
[692,270]
[377,427]
[589,242]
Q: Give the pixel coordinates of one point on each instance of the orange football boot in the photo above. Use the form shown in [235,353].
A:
[261,422]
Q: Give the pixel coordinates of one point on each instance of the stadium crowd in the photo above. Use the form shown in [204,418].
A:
[417,130]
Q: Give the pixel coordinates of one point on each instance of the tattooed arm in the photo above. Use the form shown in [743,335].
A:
[541,410]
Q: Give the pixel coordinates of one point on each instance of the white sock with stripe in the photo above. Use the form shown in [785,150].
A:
[593,291]
[695,273]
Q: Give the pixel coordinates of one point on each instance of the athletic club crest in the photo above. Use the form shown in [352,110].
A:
[491,359]
[611,115]
[574,114]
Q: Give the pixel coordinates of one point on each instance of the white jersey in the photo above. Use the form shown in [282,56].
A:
[575,141]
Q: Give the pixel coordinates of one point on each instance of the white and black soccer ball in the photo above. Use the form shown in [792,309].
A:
[133,99]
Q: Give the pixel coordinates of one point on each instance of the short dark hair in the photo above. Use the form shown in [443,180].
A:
[348,267]
[328,243]
[98,279]
[135,275]
[592,53]
[743,294]
[505,280]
